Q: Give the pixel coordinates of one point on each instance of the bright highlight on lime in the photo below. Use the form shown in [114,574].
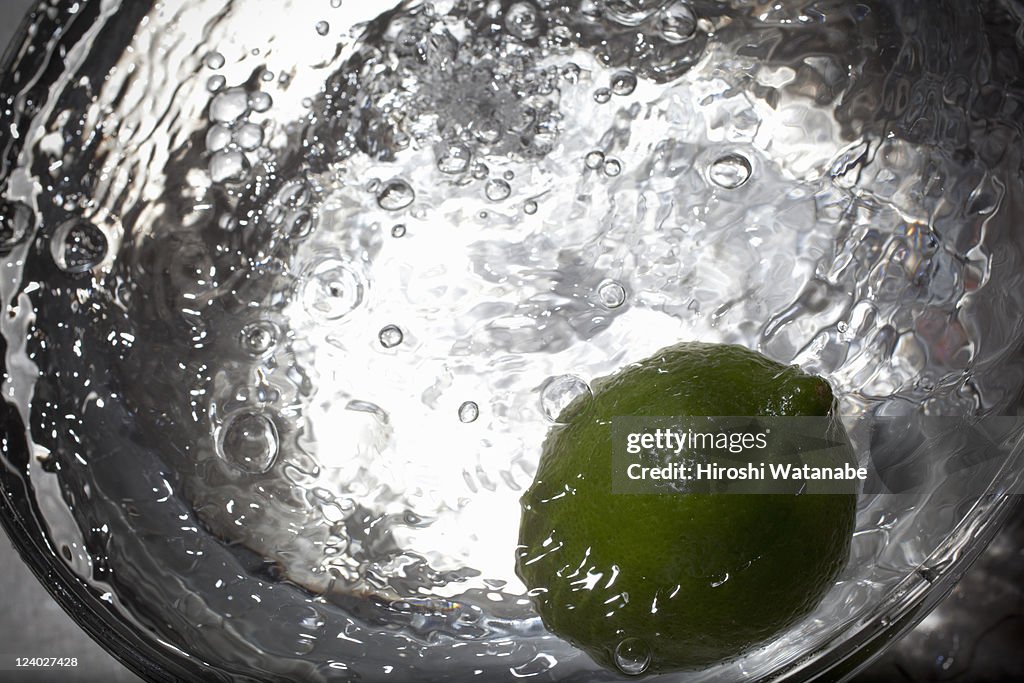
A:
[653,583]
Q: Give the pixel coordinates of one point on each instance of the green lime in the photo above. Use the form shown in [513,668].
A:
[670,582]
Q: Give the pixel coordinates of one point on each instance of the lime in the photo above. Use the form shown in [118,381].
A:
[671,582]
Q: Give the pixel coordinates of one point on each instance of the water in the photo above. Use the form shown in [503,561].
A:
[291,422]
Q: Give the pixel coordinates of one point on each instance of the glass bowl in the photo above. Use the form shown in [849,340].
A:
[294,293]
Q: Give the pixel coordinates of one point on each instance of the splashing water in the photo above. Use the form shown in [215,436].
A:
[223,356]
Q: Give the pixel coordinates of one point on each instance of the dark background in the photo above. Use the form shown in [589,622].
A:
[976,635]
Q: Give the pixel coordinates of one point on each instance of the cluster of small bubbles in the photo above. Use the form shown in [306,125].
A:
[230,136]
[15,219]
[497,189]
[323,28]
[214,60]
[249,441]
[558,392]
[594,160]
[602,95]
[395,195]
[632,656]
[612,167]
[730,171]
[523,21]
[623,83]
[611,294]
[676,23]
[77,246]
[453,158]
[390,336]
[469,411]
[530,207]
[332,290]
[258,338]
[398,230]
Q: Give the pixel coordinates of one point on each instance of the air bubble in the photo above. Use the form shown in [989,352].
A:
[249,441]
[602,95]
[497,190]
[632,656]
[730,171]
[469,412]
[258,338]
[488,130]
[78,246]
[333,289]
[558,392]
[390,336]
[612,168]
[611,294]
[530,207]
[215,83]
[249,136]
[594,160]
[229,105]
[523,21]
[677,22]
[623,83]
[323,28]
[398,231]
[395,195]
[214,60]
[453,158]
[228,166]
[15,220]
[260,101]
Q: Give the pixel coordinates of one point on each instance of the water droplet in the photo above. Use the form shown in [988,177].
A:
[228,166]
[214,60]
[677,22]
[78,246]
[258,338]
[249,136]
[215,83]
[632,656]
[390,336]
[398,231]
[497,190]
[249,441]
[453,158]
[469,412]
[594,160]
[558,392]
[611,293]
[730,171]
[530,207]
[323,28]
[395,195]
[602,95]
[624,83]
[523,21]
[229,105]
[612,167]
[332,290]
[15,220]
[260,101]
